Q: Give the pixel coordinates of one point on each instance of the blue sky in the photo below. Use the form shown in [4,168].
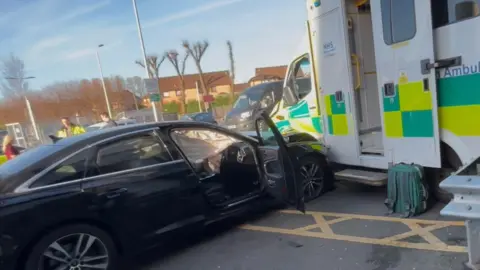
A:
[57,38]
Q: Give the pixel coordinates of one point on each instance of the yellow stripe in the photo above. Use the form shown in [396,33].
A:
[460,120]
[393,124]
[328,104]
[340,124]
[413,98]
[302,124]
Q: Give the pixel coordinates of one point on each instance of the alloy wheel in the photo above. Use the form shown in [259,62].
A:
[313,180]
[75,252]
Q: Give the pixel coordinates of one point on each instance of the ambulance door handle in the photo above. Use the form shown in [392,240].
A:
[426,66]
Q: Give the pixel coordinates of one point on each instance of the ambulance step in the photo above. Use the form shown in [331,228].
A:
[364,177]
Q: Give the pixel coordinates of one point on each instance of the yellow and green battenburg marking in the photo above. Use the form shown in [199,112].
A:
[459,104]
[409,112]
[337,116]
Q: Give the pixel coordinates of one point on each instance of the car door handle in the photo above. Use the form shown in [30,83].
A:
[115,193]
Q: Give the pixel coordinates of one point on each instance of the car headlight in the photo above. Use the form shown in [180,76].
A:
[245,115]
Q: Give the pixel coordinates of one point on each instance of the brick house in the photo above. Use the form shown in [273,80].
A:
[268,74]
[218,83]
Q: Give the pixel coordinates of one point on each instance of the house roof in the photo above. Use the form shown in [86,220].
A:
[269,73]
[239,87]
[172,83]
[276,71]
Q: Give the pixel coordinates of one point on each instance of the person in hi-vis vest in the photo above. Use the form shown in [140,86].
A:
[69,129]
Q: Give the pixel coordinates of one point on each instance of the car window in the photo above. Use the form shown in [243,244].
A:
[205,148]
[29,158]
[70,170]
[131,153]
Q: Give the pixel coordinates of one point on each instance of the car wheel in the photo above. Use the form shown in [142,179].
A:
[74,247]
[317,176]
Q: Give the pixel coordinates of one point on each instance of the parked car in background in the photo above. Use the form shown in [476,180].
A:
[94,198]
[121,122]
[240,118]
[200,117]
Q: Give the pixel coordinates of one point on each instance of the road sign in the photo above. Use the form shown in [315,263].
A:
[208,98]
[155,97]
[151,85]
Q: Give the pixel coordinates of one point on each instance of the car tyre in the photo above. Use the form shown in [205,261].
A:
[96,245]
[318,176]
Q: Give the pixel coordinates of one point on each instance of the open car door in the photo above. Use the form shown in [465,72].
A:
[281,173]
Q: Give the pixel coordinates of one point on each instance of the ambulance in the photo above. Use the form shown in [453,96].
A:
[392,81]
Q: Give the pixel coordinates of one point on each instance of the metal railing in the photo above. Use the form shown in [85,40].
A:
[464,184]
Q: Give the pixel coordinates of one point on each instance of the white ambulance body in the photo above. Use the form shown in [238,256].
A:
[396,81]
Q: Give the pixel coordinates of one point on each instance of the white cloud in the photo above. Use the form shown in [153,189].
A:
[79,54]
[73,14]
[190,12]
[89,51]
[49,43]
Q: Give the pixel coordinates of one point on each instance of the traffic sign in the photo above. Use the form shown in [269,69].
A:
[151,85]
[155,97]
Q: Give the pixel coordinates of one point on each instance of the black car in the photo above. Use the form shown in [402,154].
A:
[89,200]
[200,117]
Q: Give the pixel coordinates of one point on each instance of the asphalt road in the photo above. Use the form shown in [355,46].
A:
[345,229]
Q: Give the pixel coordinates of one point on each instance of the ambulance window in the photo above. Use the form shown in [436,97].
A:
[446,12]
[299,79]
[398,20]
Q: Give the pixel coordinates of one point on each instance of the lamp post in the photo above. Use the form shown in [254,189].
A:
[29,107]
[103,81]
[142,45]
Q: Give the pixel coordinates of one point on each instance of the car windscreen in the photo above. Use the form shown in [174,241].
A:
[248,99]
[28,158]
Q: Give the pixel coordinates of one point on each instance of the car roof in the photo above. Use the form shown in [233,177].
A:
[90,137]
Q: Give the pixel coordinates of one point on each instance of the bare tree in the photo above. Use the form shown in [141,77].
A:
[197,51]
[154,63]
[14,83]
[179,67]
[136,87]
[232,68]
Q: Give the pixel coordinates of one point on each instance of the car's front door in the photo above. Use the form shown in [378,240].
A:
[281,171]
[136,185]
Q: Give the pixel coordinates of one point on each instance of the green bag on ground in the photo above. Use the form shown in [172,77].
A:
[407,191]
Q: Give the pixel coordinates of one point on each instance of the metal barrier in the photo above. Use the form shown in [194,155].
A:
[465,186]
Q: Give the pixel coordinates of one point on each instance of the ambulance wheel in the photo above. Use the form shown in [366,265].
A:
[451,162]
[438,176]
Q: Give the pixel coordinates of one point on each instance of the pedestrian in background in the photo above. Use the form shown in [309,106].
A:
[8,148]
[109,121]
[69,129]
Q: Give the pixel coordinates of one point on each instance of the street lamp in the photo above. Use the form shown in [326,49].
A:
[140,37]
[103,81]
[27,103]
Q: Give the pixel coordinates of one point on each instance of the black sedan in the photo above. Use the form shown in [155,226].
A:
[87,201]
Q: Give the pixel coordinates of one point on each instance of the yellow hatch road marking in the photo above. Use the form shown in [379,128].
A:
[433,243]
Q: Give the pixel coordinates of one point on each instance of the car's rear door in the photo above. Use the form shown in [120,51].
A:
[137,186]
[281,171]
